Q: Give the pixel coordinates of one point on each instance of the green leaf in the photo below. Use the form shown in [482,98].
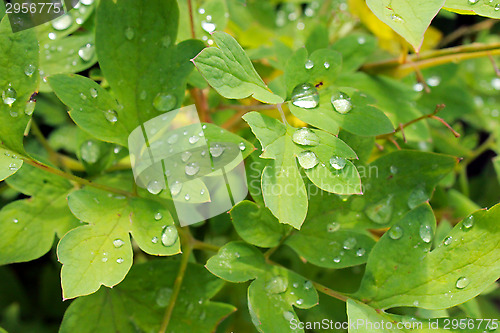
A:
[139,302]
[496,164]
[256,224]
[19,50]
[89,112]
[100,253]
[9,163]
[404,272]
[483,8]
[408,18]
[142,64]
[229,71]
[274,291]
[28,226]
[356,49]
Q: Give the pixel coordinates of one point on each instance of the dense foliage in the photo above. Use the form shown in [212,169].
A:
[370,140]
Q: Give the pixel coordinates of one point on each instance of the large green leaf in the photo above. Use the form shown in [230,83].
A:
[18,55]
[482,7]
[139,302]
[142,65]
[100,253]
[274,291]
[229,71]
[9,163]
[403,271]
[408,18]
[28,226]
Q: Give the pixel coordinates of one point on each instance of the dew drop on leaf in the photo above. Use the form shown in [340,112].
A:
[192,169]
[169,236]
[276,285]
[9,96]
[417,196]
[468,223]
[299,301]
[185,156]
[217,150]
[173,139]
[187,197]
[118,243]
[120,260]
[29,70]
[380,212]
[176,188]
[425,233]
[154,240]
[360,252]
[326,64]
[111,116]
[90,152]
[83,96]
[350,243]
[473,2]
[208,26]
[305,96]
[193,139]
[30,107]
[242,146]
[333,227]
[341,103]
[15,220]
[393,169]
[154,187]
[87,2]
[164,102]
[308,159]
[129,33]
[158,216]
[395,232]
[288,316]
[396,18]
[93,92]
[309,64]
[62,22]
[336,260]
[305,137]
[462,282]
[86,52]
[447,241]
[337,162]
[163,297]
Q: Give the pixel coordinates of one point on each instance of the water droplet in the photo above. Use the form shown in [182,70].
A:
[192,169]
[176,188]
[417,197]
[336,260]
[187,197]
[497,8]
[393,169]
[87,2]
[164,102]
[306,137]
[473,2]
[381,211]
[349,243]
[202,191]
[154,240]
[447,241]
[129,33]
[208,26]
[217,150]
[154,187]
[332,227]
[83,96]
[30,107]
[242,146]
[308,159]
[425,233]
[120,260]
[173,139]
[62,22]
[397,18]
[337,162]
[361,40]
[326,64]
[104,259]
[158,216]
[468,223]
[15,220]
[118,243]
[86,53]
[169,236]
[360,252]
[418,87]
[163,296]
[305,96]
[185,156]
[29,70]
[111,116]
[93,92]
[166,41]
[395,232]
[90,152]
[299,301]
[462,282]
[9,96]
[52,36]
[13,166]
[288,316]
[276,285]
[341,103]
[434,81]
[193,139]
[309,64]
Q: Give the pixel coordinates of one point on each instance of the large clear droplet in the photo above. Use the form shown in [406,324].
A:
[462,282]
[395,232]
[118,243]
[111,116]
[154,187]
[86,53]
[192,169]
[276,285]
[448,240]
[338,163]
[87,2]
[208,26]
[30,107]
[350,243]
[185,156]
[217,150]
[62,22]
[164,102]
[468,223]
[381,211]
[176,188]
[305,96]
[308,159]
[309,64]
[305,137]
[9,96]
[90,152]
[360,252]
[425,233]
[29,70]
[473,2]
[169,236]
[341,103]
[193,139]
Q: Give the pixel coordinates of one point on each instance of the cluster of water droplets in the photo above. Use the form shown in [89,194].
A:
[495,5]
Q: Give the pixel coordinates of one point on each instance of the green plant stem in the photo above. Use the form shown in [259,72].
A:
[242,110]
[487,144]
[53,156]
[191,19]
[199,245]
[76,179]
[330,292]
[270,252]
[187,245]
[398,69]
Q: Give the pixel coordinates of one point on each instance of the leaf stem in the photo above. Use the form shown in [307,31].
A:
[270,252]
[242,110]
[330,292]
[187,245]
[191,19]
